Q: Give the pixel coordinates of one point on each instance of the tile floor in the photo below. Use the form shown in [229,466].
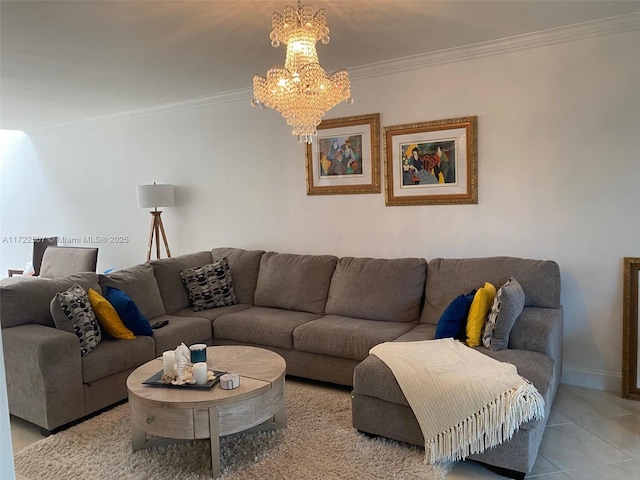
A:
[590,435]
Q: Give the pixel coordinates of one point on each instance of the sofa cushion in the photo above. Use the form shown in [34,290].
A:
[453,321]
[294,282]
[540,281]
[167,274]
[534,366]
[506,308]
[209,286]
[346,337]
[187,330]
[244,265]
[386,289]
[72,312]
[424,331]
[108,318]
[113,356]
[140,284]
[261,326]
[539,330]
[128,311]
[478,312]
[212,314]
[38,292]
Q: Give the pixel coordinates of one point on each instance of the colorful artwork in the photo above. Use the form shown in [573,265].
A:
[340,155]
[429,163]
[344,157]
[432,163]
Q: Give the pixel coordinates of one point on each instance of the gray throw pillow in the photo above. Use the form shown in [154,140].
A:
[506,308]
[141,286]
[209,286]
[72,312]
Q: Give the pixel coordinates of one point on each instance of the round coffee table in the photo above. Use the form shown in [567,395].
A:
[166,415]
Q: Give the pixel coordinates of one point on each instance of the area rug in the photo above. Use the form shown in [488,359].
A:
[318,443]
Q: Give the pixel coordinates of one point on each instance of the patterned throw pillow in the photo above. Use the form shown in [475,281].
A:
[506,308]
[209,286]
[71,311]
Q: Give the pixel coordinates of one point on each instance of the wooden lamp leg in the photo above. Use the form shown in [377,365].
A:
[164,237]
[151,231]
[157,234]
[157,228]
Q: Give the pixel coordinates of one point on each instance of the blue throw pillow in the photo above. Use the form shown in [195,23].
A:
[453,322]
[128,311]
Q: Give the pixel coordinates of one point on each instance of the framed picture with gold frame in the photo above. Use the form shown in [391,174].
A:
[344,157]
[630,331]
[431,163]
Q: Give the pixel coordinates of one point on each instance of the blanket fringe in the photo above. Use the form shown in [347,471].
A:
[493,424]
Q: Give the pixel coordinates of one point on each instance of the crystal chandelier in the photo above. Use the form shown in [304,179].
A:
[301,91]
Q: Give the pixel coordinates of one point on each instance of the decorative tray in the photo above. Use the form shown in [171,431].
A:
[157,381]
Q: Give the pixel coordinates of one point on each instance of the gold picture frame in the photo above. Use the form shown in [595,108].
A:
[432,163]
[630,321]
[344,157]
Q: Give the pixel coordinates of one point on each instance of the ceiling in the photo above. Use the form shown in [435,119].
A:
[68,61]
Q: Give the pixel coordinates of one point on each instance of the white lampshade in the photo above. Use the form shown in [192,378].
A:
[151,196]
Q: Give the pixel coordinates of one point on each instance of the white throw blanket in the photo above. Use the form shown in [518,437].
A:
[465,401]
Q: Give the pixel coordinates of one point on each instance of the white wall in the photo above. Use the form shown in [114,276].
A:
[558,173]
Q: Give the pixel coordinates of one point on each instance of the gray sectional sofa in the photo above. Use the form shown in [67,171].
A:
[321,313]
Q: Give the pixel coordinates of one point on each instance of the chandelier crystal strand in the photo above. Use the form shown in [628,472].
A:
[301,90]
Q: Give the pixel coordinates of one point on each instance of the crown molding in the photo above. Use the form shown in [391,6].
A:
[607,26]
[622,23]
[196,102]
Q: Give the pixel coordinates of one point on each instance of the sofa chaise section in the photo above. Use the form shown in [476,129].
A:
[378,404]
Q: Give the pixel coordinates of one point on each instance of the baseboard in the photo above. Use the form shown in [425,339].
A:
[596,379]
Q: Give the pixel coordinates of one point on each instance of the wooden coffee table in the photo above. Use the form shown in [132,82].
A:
[166,415]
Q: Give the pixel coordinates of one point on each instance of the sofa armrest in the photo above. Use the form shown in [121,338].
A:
[540,330]
[44,374]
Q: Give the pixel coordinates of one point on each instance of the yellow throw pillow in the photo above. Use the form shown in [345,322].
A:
[478,313]
[109,319]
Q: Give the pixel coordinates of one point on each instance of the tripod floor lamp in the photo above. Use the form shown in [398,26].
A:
[154,196]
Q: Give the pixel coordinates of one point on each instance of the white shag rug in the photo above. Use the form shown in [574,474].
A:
[319,443]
